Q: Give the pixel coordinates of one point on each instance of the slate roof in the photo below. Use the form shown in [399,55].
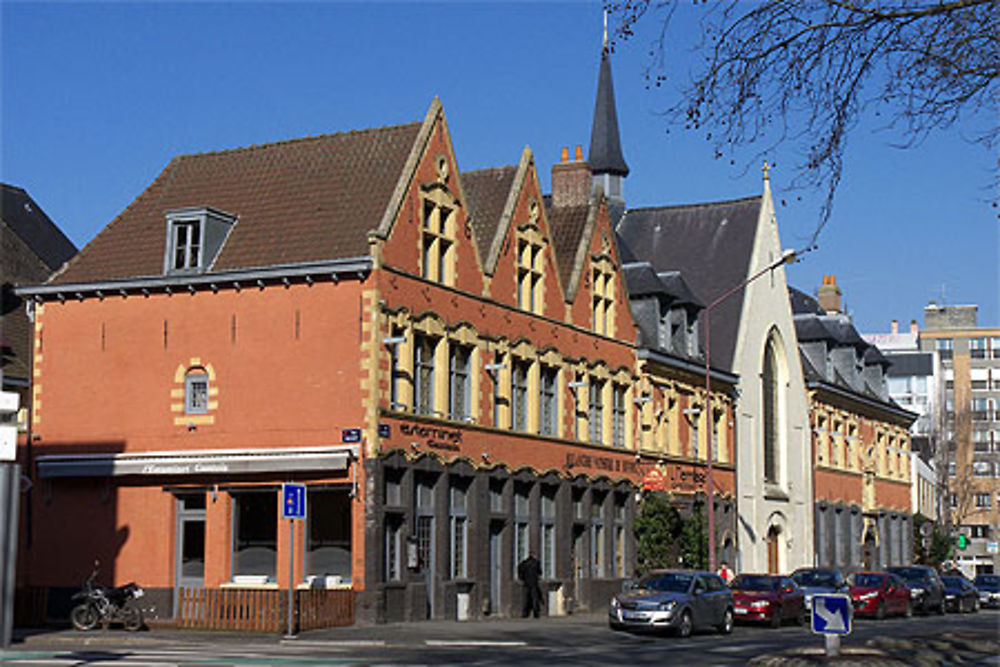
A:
[906,364]
[642,280]
[803,304]
[27,219]
[605,154]
[487,191]
[710,244]
[303,200]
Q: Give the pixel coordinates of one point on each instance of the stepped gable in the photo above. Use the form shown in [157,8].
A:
[710,245]
[302,200]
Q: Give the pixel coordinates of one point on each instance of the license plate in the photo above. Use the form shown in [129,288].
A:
[740,610]
[634,615]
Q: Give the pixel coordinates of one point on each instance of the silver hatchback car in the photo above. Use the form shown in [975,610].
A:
[677,600]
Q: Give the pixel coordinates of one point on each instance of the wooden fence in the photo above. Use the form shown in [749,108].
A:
[255,610]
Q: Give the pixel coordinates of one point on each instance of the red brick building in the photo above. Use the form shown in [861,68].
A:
[447,360]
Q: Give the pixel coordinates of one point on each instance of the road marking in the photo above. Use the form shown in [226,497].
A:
[334,643]
[471,642]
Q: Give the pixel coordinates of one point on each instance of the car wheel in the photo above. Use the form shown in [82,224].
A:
[726,626]
[880,611]
[776,617]
[685,626]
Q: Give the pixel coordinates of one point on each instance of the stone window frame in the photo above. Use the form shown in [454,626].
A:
[438,237]
[180,393]
[529,264]
[603,274]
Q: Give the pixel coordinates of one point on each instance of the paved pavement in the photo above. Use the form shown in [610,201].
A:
[577,639]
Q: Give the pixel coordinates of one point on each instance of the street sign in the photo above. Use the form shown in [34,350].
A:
[992,547]
[963,542]
[384,430]
[831,614]
[350,435]
[8,425]
[293,501]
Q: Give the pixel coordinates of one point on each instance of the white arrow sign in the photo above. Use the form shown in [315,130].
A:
[831,619]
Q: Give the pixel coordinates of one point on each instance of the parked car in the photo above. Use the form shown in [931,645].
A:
[676,600]
[960,595]
[926,589]
[813,580]
[767,597]
[988,586]
[879,594]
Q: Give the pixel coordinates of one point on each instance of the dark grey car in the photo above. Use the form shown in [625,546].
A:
[926,587]
[676,600]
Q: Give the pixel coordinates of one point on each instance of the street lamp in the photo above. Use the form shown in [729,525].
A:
[787,257]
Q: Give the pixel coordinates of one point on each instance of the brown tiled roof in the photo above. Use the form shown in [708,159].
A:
[302,200]
[488,191]
[566,226]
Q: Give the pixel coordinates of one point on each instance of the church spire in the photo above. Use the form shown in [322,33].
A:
[605,157]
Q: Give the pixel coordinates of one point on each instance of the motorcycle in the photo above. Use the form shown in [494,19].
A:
[103,605]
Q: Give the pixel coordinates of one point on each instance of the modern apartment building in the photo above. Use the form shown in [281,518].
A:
[969,356]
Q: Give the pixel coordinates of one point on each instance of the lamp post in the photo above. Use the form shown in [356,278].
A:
[787,257]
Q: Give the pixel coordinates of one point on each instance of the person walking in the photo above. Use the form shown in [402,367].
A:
[529,571]
[725,572]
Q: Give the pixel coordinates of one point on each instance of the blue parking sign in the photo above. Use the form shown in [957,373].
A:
[293,501]
[831,614]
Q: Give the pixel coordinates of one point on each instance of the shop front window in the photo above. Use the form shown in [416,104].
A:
[255,535]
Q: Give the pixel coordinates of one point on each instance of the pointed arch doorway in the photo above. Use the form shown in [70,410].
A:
[773,559]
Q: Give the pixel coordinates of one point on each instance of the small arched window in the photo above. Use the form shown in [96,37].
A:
[196,392]
[769,381]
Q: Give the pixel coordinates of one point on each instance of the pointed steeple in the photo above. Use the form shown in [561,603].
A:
[605,157]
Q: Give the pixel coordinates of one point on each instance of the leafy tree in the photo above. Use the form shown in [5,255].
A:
[933,549]
[805,71]
[657,529]
[694,538]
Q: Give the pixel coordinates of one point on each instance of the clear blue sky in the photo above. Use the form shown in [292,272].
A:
[97,98]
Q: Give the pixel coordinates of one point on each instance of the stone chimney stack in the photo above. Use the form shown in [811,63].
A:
[895,327]
[913,327]
[830,296]
[571,181]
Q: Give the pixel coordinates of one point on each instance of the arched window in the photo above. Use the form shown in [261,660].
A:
[772,419]
[196,392]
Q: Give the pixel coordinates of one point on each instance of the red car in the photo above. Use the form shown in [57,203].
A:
[879,594]
[767,597]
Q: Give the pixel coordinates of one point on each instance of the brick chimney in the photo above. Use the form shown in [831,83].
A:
[895,327]
[914,329]
[829,296]
[571,181]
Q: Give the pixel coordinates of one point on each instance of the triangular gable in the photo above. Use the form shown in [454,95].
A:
[433,139]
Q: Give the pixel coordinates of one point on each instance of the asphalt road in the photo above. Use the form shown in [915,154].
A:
[562,641]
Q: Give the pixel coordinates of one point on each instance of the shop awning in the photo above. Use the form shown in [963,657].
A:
[197,462]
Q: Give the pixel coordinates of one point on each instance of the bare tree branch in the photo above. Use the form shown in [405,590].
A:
[805,72]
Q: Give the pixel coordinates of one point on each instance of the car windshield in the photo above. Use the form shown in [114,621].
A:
[868,580]
[910,573]
[667,583]
[815,579]
[755,582]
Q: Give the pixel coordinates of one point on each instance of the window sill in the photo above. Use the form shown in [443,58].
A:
[269,585]
[774,492]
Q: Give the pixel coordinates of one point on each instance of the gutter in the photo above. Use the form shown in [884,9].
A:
[648,354]
[900,413]
[334,270]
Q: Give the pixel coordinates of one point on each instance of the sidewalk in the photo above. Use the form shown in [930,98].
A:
[500,631]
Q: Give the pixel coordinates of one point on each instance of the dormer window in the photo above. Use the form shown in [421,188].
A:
[187,245]
[194,238]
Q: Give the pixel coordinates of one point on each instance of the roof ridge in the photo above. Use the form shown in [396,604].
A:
[296,140]
[473,172]
[695,204]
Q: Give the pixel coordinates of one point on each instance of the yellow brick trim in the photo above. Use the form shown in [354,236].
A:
[195,420]
[177,407]
[176,393]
